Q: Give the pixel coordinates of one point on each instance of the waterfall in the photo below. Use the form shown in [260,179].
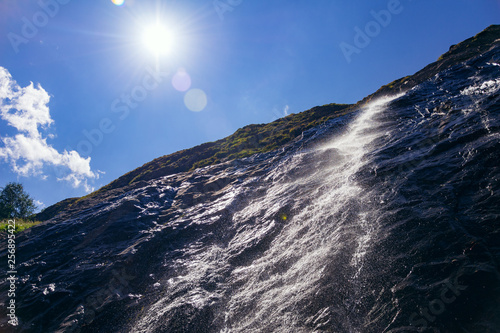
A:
[381,220]
[312,219]
[332,217]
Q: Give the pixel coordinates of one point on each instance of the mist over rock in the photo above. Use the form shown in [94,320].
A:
[376,217]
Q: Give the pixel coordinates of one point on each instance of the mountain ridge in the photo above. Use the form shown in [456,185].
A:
[260,138]
[368,222]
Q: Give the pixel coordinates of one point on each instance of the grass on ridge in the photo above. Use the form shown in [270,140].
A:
[20,225]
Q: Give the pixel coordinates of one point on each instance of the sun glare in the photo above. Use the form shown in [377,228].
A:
[158,39]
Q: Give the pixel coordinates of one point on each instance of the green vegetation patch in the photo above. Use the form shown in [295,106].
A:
[246,141]
[19,225]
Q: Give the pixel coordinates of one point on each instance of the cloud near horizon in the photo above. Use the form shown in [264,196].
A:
[28,152]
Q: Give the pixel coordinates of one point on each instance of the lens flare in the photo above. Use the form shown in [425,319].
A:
[118,2]
[181,80]
[195,100]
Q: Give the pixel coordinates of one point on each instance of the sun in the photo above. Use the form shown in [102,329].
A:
[158,39]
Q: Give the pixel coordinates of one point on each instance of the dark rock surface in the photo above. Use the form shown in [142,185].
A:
[382,219]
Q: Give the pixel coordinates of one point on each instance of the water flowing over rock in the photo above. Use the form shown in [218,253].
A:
[385,219]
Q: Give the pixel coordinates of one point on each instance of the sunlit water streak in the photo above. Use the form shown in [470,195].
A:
[326,217]
[337,208]
[361,224]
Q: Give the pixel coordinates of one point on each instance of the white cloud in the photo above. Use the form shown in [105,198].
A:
[28,152]
[39,205]
[285,110]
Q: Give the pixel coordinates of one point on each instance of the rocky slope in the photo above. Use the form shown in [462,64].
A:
[381,218]
[253,139]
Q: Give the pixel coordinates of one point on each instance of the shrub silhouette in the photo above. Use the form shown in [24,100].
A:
[15,202]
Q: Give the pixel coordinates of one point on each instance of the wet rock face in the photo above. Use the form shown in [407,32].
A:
[382,220]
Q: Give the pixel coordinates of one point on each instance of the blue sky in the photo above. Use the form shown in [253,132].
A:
[83,99]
